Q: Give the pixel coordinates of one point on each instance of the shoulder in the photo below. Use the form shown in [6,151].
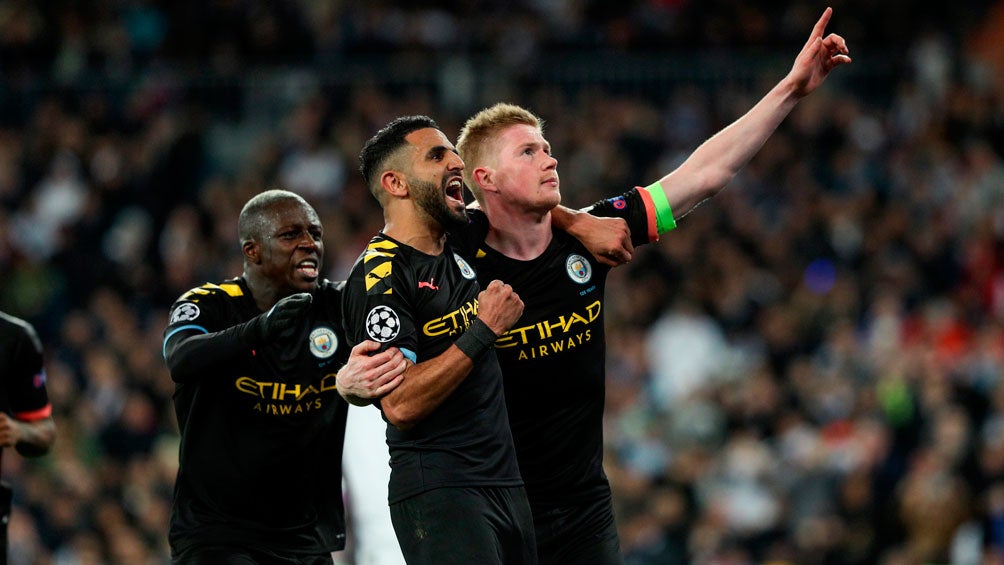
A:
[228,289]
[194,303]
[468,237]
[380,264]
[13,329]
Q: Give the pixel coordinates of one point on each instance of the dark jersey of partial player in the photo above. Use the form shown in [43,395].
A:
[22,388]
[421,304]
[261,451]
[553,358]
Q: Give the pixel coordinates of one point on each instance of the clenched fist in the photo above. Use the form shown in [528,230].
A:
[499,307]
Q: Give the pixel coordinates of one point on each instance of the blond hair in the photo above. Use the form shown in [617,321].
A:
[478,136]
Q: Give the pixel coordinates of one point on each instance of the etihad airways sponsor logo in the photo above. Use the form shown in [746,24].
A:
[283,399]
[550,337]
[454,322]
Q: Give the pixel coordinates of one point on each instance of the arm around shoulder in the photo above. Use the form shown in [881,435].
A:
[608,239]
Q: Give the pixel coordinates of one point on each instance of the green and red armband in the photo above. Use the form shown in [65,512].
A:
[664,220]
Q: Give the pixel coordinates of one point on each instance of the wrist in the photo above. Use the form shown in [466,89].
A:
[478,339]
[564,218]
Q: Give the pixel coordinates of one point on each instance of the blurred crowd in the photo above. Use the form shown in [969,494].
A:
[809,369]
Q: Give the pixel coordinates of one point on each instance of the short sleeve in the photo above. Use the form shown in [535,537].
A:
[635,207]
[29,399]
[377,304]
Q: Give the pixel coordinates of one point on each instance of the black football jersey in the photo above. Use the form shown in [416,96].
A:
[553,358]
[260,459]
[421,304]
[22,389]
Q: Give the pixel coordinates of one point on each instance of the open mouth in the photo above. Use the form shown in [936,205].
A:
[308,268]
[455,189]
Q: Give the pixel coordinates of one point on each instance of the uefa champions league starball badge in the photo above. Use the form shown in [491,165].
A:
[185,312]
[382,324]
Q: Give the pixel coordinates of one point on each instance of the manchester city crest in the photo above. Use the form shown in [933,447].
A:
[579,270]
[323,342]
[465,269]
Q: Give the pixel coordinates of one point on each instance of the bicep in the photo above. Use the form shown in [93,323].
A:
[386,318]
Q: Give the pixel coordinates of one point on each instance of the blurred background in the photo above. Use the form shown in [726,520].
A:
[808,370]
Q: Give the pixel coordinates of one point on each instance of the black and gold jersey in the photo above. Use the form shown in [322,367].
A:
[260,459]
[22,389]
[421,304]
[553,358]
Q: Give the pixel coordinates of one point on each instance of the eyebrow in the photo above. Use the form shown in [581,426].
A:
[298,226]
[439,150]
[535,144]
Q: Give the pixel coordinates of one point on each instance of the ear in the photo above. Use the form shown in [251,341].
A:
[394,183]
[252,252]
[485,178]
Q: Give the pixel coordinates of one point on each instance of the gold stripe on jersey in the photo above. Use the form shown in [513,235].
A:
[232,289]
[385,248]
[201,291]
[378,261]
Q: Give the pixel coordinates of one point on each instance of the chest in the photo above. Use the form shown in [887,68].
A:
[562,293]
[443,293]
[315,350]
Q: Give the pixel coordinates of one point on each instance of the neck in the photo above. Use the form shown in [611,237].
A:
[265,293]
[415,230]
[521,235]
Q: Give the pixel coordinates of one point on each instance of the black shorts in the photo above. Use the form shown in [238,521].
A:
[581,534]
[461,526]
[225,555]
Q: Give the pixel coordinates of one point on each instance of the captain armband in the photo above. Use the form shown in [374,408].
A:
[664,220]
[476,340]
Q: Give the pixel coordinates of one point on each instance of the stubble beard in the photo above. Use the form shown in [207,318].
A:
[431,199]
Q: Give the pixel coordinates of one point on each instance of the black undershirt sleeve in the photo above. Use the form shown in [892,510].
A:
[191,354]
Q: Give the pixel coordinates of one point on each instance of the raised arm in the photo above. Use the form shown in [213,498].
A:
[427,384]
[712,165]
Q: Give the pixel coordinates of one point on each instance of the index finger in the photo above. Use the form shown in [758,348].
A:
[366,346]
[820,27]
[620,256]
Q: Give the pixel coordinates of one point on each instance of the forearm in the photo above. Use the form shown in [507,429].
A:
[354,399]
[425,386]
[564,218]
[189,356]
[716,162]
[35,438]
